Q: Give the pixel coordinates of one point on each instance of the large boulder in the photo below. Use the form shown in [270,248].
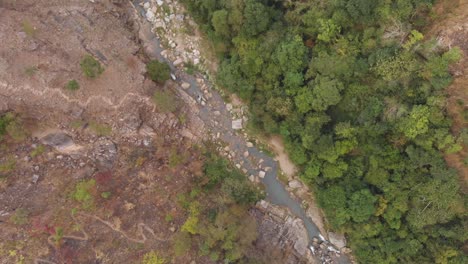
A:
[338,240]
[61,141]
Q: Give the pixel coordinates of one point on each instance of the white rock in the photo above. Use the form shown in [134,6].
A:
[146,5]
[237,124]
[261,174]
[339,240]
[295,184]
[159,2]
[250,145]
[178,62]
[252,178]
[238,166]
[185,85]
[229,107]
[35,178]
[149,15]
[246,154]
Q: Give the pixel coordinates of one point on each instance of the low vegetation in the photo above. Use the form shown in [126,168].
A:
[72,85]
[218,223]
[29,29]
[357,94]
[12,126]
[166,101]
[37,151]
[20,217]
[91,67]
[153,258]
[83,193]
[158,71]
[99,129]
[30,71]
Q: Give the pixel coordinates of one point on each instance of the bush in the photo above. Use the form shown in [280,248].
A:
[37,151]
[165,101]
[152,258]
[182,243]
[83,194]
[20,217]
[29,29]
[72,85]
[100,130]
[30,71]
[12,126]
[7,166]
[158,71]
[91,67]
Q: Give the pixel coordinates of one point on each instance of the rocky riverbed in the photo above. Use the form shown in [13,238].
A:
[180,47]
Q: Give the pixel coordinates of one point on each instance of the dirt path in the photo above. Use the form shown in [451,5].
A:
[7,90]
[286,165]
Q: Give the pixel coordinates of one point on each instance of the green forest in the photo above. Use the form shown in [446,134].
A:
[357,93]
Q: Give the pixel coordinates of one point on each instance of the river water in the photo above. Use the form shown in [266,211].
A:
[275,190]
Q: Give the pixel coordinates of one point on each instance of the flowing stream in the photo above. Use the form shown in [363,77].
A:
[221,123]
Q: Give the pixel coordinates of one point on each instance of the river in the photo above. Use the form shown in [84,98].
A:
[275,190]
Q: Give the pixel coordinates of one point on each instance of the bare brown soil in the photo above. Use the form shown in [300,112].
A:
[40,222]
[451,30]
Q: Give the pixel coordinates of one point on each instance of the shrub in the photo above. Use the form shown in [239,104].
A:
[153,258]
[37,151]
[158,71]
[72,85]
[11,125]
[91,67]
[106,195]
[100,129]
[7,166]
[165,101]
[20,217]
[83,194]
[169,218]
[182,243]
[29,29]
[31,70]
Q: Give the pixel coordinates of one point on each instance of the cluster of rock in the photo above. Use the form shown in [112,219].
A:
[278,228]
[168,16]
[327,251]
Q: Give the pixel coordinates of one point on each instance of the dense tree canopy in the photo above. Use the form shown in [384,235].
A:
[357,93]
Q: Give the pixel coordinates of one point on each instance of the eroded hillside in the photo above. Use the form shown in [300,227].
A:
[99,164]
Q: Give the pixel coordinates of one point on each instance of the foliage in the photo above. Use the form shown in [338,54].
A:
[152,257]
[37,151]
[12,125]
[100,130]
[182,243]
[31,70]
[72,85]
[29,29]
[218,221]
[106,195]
[166,101]
[83,193]
[158,71]
[20,217]
[90,67]
[7,166]
[58,235]
[356,91]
